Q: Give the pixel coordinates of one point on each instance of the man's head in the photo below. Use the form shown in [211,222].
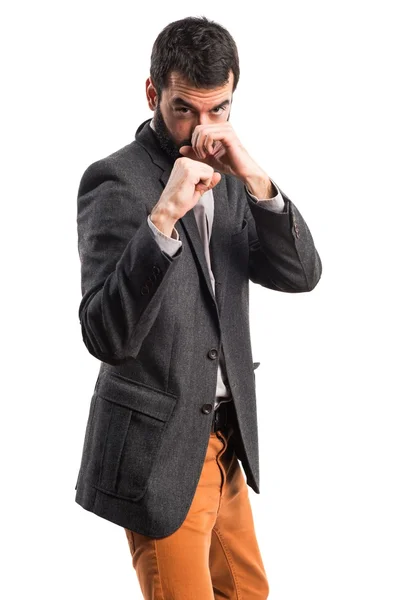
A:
[194,72]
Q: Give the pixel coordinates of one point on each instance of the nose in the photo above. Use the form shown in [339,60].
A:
[204,119]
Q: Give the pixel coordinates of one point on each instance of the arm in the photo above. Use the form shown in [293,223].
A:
[124,272]
[282,255]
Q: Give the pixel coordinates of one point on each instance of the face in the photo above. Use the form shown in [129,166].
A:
[183,107]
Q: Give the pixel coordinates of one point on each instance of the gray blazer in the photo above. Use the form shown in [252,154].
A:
[155,325]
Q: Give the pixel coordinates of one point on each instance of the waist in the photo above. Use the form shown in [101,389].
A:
[223,415]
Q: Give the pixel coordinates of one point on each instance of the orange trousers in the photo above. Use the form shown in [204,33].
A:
[214,554]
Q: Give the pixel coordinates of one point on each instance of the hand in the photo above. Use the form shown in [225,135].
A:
[218,146]
[188,181]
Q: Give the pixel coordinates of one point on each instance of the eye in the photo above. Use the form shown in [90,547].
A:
[216,111]
[220,108]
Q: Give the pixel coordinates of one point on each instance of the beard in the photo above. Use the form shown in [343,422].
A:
[167,143]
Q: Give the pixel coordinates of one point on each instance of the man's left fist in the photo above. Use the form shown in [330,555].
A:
[218,146]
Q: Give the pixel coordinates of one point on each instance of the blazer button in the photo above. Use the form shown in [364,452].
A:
[206,409]
[144,290]
[213,353]
[156,269]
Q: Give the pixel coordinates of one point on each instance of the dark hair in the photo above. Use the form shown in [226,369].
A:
[200,50]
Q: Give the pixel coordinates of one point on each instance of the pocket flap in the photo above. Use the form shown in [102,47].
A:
[136,396]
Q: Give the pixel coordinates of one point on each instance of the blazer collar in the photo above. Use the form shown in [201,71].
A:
[222,224]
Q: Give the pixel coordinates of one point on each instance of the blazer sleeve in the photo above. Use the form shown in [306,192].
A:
[124,272]
[282,254]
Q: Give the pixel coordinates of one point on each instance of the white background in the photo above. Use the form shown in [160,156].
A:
[317,107]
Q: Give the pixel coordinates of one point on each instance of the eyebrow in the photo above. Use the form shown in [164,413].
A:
[181,102]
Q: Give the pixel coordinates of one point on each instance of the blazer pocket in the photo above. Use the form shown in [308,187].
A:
[242,234]
[128,426]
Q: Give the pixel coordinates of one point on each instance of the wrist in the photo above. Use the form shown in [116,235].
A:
[163,220]
[260,185]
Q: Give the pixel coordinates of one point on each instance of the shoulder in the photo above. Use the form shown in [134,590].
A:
[125,164]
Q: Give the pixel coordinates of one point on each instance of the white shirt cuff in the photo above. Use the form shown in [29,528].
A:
[276,203]
[170,245]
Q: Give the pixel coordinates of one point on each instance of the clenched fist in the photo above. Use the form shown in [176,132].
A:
[188,181]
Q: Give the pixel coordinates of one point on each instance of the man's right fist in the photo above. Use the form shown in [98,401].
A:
[188,181]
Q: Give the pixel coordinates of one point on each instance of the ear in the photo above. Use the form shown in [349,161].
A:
[151,94]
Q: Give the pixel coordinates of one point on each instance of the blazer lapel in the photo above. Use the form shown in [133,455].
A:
[221,229]
[220,240]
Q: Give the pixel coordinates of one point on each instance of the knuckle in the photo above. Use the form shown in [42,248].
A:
[184,163]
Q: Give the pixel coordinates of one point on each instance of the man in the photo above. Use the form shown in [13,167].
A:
[171,228]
